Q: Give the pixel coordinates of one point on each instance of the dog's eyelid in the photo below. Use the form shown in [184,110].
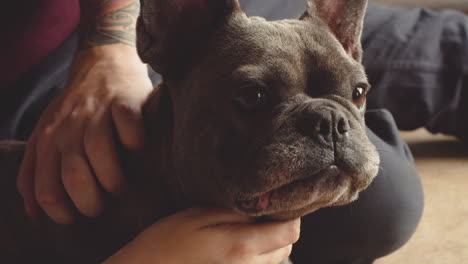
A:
[253,85]
[247,83]
[251,98]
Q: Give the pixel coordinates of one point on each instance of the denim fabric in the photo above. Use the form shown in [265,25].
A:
[22,103]
[417,62]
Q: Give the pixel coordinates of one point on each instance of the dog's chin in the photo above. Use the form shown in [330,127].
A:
[332,187]
[312,207]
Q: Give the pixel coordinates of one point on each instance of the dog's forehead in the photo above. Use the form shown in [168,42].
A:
[292,46]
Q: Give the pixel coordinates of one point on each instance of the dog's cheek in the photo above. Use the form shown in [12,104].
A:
[214,164]
[194,161]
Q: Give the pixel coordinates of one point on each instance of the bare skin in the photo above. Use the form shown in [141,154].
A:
[71,155]
[210,236]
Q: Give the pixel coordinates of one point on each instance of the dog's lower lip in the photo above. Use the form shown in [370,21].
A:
[262,202]
[256,204]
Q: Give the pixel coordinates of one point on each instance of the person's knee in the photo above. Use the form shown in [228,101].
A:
[398,206]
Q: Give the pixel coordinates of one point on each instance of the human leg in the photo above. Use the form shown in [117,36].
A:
[26,98]
[417,62]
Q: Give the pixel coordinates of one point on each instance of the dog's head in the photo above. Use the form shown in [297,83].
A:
[267,117]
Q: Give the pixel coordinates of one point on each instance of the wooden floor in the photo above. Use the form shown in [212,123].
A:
[442,236]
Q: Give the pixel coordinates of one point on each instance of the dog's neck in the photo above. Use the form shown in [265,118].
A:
[154,190]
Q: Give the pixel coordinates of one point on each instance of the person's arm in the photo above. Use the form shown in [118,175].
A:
[106,22]
[72,153]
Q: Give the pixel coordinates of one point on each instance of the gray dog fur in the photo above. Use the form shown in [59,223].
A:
[253,115]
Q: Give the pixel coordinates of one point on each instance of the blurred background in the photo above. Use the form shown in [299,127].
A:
[442,161]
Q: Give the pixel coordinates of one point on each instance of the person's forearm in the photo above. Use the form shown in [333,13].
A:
[106,22]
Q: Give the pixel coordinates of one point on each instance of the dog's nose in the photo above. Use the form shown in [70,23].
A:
[324,124]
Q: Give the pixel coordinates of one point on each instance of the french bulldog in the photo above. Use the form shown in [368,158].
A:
[264,117]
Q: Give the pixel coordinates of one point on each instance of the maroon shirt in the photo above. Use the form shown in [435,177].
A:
[30,30]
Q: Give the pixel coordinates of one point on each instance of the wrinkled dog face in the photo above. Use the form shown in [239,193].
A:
[268,116]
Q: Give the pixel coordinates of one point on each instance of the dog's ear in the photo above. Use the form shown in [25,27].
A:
[345,19]
[171,33]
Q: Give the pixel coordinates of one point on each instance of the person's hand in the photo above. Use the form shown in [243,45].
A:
[72,155]
[210,236]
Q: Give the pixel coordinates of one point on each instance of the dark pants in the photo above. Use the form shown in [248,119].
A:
[417,62]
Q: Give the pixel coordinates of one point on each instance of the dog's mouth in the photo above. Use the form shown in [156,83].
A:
[256,204]
[332,175]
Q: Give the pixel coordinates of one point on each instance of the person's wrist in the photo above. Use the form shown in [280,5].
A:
[111,52]
[136,252]
[115,55]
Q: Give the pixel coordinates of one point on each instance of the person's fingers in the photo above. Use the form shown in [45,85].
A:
[76,173]
[25,178]
[128,121]
[49,190]
[27,173]
[276,256]
[102,153]
[266,237]
[80,184]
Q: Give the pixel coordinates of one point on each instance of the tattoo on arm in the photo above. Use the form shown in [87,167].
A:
[103,23]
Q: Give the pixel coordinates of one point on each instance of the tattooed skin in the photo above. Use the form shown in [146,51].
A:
[106,22]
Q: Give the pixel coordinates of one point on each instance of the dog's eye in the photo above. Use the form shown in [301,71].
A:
[251,99]
[359,97]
